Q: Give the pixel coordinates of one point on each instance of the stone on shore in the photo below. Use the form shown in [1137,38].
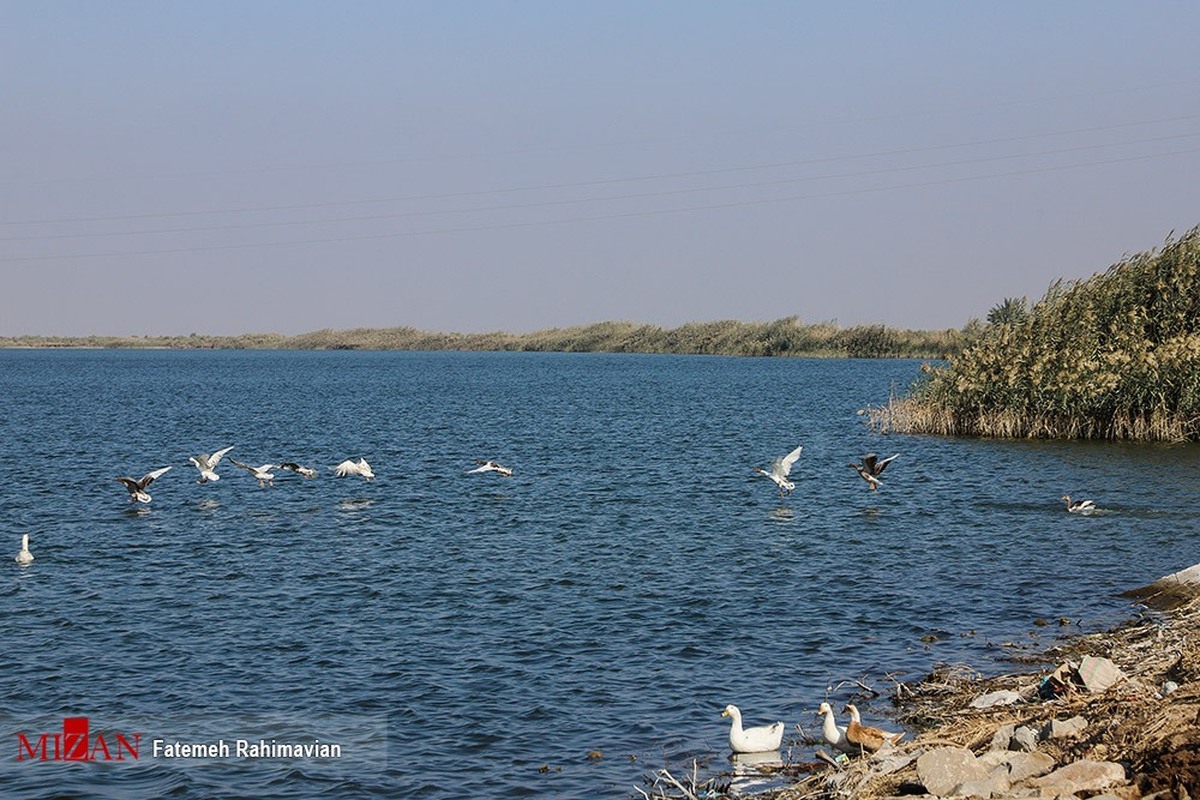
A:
[944,769]
[1081,776]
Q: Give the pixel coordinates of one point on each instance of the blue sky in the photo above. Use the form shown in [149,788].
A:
[249,166]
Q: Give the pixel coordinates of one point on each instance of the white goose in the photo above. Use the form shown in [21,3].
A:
[834,734]
[349,467]
[208,464]
[263,473]
[137,488]
[760,739]
[490,466]
[780,469]
[1079,506]
[24,556]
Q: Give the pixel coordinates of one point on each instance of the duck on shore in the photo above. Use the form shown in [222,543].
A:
[834,734]
[867,737]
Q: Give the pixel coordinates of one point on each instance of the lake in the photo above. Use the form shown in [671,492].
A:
[559,633]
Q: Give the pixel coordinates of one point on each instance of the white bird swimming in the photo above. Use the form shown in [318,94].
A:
[760,739]
[490,466]
[349,467]
[24,556]
[1079,506]
[834,734]
[871,468]
[137,488]
[303,472]
[208,464]
[867,737]
[780,469]
[263,473]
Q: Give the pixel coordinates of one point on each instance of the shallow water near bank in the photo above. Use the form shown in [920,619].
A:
[470,635]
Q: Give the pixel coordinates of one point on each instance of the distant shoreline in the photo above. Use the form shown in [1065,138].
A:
[785,337]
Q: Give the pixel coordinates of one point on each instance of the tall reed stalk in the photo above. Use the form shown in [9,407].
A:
[1116,356]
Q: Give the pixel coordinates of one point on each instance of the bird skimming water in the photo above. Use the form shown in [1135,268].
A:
[137,488]
[871,468]
[208,464]
[780,469]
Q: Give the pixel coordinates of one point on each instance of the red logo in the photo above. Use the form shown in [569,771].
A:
[75,743]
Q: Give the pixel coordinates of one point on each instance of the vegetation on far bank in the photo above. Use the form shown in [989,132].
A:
[1116,356]
[784,337]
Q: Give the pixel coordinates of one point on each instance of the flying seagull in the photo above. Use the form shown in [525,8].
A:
[208,464]
[263,474]
[490,466]
[303,472]
[871,468]
[348,467]
[780,469]
[137,488]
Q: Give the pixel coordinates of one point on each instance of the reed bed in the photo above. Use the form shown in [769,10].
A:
[784,337]
[1116,356]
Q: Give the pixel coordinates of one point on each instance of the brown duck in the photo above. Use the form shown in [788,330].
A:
[867,737]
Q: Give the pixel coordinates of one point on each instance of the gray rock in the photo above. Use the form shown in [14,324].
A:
[1024,739]
[1064,728]
[1022,766]
[1003,737]
[943,769]
[994,784]
[1081,776]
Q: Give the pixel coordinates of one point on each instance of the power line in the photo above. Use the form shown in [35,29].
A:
[594,218]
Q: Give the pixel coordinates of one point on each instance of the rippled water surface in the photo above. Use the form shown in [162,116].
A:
[467,635]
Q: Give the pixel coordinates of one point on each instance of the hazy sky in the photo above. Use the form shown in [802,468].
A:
[232,167]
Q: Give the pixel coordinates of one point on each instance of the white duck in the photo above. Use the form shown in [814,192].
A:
[834,734]
[1079,506]
[137,488]
[349,467]
[780,469]
[303,472]
[24,556]
[208,464]
[760,739]
[262,473]
[490,466]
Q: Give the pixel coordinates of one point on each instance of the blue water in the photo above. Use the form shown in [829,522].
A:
[470,635]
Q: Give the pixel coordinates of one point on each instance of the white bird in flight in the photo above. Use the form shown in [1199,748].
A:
[137,488]
[208,464]
[263,473]
[780,469]
[303,472]
[490,466]
[348,467]
[24,556]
